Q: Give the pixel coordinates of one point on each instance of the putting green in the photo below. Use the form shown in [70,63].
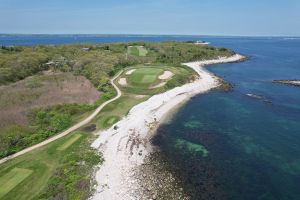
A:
[73,139]
[144,76]
[12,179]
[137,50]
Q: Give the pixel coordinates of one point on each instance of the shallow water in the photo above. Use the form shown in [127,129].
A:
[252,142]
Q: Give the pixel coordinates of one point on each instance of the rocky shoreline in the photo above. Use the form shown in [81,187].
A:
[132,169]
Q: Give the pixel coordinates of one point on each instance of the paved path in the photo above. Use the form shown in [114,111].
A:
[71,129]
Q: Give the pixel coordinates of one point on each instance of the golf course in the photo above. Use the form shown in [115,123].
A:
[60,162]
[37,173]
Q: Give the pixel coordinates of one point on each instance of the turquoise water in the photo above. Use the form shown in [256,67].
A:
[251,145]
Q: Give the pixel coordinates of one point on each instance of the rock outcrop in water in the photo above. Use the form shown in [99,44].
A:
[288,82]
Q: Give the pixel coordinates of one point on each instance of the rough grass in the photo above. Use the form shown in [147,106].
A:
[12,179]
[45,90]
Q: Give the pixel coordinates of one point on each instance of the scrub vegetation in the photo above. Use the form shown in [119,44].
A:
[30,78]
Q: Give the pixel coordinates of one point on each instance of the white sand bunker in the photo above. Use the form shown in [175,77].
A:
[130,72]
[166,75]
[122,81]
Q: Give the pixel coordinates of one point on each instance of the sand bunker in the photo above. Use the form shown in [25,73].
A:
[166,75]
[130,72]
[122,81]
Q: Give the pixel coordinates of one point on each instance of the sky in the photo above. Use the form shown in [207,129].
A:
[180,17]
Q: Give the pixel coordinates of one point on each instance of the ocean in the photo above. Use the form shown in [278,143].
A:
[242,144]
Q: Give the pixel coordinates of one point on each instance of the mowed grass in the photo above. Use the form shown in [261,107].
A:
[113,112]
[12,179]
[142,51]
[45,161]
[42,163]
[137,50]
[73,139]
[144,76]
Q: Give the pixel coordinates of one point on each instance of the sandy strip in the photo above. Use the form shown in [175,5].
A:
[125,148]
[130,71]
[166,75]
[158,85]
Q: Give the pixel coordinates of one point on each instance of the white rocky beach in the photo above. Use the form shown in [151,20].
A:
[126,144]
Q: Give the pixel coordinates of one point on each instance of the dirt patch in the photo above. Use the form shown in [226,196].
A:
[140,96]
[166,75]
[90,128]
[49,89]
[158,85]
[122,81]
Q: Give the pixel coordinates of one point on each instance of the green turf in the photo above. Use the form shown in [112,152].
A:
[73,139]
[137,51]
[146,79]
[45,161]
[133,51]
[144,76]
[113,112]
[142,51]
[12,179]
[42,162]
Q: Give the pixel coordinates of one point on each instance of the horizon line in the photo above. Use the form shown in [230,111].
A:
[150,34]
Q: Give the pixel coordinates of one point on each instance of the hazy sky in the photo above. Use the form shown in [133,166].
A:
[201,17]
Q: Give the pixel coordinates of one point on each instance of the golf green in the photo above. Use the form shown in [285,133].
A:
[144,76]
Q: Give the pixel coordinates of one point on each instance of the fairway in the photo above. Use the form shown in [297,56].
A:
[12,179]
[137,50]
[68,143]
[144,76]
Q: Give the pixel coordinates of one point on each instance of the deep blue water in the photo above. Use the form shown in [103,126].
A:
[253,144]
[227,145]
